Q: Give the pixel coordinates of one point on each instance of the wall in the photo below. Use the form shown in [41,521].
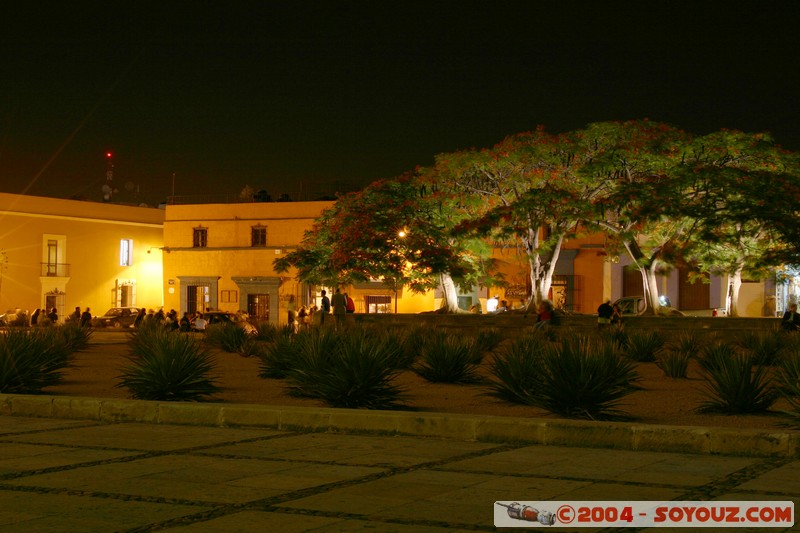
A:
[229,262]
[88,236]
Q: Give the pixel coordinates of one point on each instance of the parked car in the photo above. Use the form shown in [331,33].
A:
[116,317]
[225,317]
[14,318]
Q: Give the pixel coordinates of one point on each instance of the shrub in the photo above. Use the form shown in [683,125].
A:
[518,369]
[268,332]
[353,371]
[584,379]
[165,365]
[615,334]
[643,346]
[765,347]
[278,356]
[674,363]
[229,337]
[74,337]
[733,384]
[450,359]
[488,339]
[415,339]
[788,377]
[688,342]
[31,360]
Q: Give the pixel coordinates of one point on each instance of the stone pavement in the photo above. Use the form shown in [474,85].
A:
[92,475]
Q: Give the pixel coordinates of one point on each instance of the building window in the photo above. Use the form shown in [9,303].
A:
[258,236]
[229,296]
[126,252]
[52,257]
[200,237]
[378,304]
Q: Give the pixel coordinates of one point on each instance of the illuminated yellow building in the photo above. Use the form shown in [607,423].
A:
[66,254]
[220,256]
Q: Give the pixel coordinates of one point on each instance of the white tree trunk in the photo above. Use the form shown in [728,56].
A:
[649,284]
[734,284]
[450,300]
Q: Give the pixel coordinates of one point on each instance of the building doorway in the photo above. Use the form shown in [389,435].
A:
[197,298]
[55,300]
[258,306]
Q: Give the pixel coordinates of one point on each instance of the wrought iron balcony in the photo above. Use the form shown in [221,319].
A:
[60,270]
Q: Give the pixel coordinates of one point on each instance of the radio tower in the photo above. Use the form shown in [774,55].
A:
[108,187]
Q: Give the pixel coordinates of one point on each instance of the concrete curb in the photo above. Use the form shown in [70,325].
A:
[555,432]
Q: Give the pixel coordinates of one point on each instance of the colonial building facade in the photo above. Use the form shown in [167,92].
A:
[66,253]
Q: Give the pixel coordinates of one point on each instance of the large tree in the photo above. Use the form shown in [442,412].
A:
[394,230]
[522,191]
[734,184]
[631,165]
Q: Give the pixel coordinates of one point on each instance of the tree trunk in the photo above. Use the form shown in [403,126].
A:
[450,299]
[734,284]
[542,269]
[655,303]
[649,284]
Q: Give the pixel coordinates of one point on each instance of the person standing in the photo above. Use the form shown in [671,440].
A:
[75,317]
[291,309]
[339,308]
[86,318]
[325,309]
[351,305]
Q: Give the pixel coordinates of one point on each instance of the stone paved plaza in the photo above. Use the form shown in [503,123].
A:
[83,475]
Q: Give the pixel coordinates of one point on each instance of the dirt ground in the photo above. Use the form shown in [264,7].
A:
[663,400]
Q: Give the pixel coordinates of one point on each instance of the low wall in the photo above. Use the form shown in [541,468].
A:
[513,324]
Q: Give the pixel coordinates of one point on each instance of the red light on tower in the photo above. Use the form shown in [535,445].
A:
[108,155]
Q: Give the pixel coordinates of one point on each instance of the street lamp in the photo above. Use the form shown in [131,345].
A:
[402,234]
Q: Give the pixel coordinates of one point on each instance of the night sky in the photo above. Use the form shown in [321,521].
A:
[329,96]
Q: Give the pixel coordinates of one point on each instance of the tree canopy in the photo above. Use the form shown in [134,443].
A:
[724,203]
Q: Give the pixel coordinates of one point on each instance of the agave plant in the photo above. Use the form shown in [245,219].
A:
[416,338]
[643,346]
[674,363]
[450,359]
[487,339]
[31,360]
[229,337]
[582,378]
[74,337]
[354,371]
[168,366]
[688,342]
[278,357]
[765,347]
[734,383]
[518,371]
[788,377]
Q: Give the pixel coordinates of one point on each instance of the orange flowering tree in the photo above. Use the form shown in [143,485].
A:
[524,192]
[394,230]
[631,165]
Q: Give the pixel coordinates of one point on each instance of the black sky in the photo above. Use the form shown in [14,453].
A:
[333,95]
